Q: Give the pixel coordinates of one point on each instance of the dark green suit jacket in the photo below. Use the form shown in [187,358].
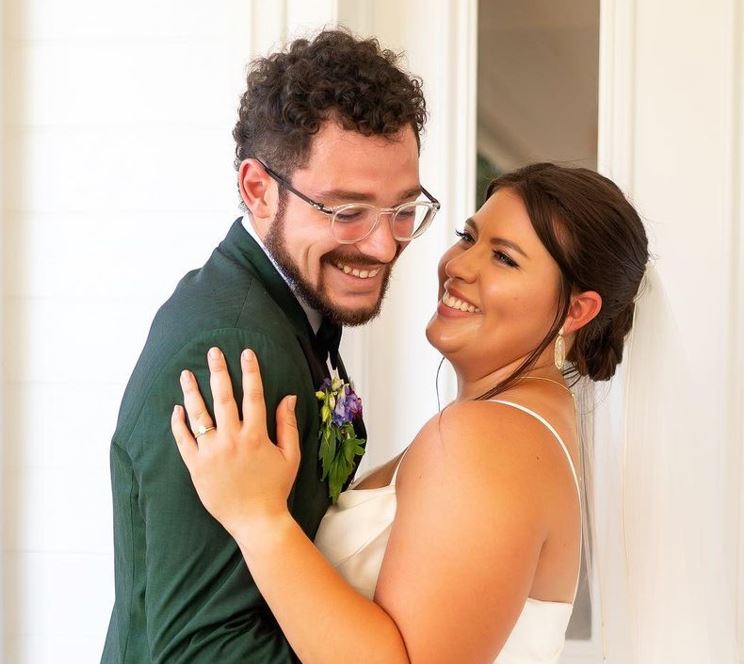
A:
[183,591]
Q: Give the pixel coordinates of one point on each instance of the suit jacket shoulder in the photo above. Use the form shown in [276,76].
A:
[183,592]
[227,299]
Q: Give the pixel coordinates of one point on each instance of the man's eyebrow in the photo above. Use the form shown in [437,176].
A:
[356,196]
[498,240]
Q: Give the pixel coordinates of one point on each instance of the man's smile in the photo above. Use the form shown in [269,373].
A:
[362,273]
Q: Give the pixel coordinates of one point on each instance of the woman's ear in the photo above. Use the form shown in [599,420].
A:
[257,191]
[584,308]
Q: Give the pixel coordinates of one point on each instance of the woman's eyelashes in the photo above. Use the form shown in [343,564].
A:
[465,236]
[500,256]
[504,258]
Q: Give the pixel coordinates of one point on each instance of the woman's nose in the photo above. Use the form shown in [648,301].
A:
[463,266]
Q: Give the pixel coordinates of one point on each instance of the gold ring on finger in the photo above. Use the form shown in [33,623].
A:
[201,430]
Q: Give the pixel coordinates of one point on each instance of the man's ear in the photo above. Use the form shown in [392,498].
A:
[258,191]
[584,308]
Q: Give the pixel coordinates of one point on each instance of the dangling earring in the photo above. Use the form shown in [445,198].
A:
[559,356]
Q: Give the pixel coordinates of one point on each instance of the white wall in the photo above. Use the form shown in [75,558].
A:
[118,145]
[687,181]
[671,120]
[119,179]
[2,344]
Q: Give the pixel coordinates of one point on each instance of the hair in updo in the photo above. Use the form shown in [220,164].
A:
[599,242]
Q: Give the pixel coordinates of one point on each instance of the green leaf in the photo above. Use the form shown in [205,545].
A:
[326,454]
[348,451]
[340,471]
[342,464]
[339,445]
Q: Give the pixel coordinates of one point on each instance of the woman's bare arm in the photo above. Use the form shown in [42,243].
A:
[471,521]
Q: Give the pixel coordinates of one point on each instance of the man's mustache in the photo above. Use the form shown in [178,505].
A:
[358,259]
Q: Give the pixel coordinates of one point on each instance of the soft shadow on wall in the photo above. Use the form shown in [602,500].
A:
[16,458]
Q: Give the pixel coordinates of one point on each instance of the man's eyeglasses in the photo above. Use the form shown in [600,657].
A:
[353,222]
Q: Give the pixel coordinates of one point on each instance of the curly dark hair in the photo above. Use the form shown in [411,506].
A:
[599,242]
[291,93]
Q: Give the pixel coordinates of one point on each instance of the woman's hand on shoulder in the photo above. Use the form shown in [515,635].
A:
[470,524]
[241,477]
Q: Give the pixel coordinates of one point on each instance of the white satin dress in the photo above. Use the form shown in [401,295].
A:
[354,533]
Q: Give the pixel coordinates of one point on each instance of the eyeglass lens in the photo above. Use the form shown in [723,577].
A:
[353,222]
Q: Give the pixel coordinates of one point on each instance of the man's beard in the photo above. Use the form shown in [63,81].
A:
[314,296]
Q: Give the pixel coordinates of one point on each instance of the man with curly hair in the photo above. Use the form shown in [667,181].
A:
[327,154]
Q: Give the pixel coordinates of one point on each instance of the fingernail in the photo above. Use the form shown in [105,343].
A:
[291,403]
[215,353]
[176,409]
[185,376]
[248,355]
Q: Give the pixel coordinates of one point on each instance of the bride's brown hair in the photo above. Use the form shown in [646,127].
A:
[599,243]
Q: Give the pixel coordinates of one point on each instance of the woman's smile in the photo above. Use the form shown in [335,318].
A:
[454,305]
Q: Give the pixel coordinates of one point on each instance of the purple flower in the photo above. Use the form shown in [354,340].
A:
[345,405]
[353,405]
[339,414]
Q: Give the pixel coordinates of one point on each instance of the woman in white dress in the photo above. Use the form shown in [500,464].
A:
[466,547]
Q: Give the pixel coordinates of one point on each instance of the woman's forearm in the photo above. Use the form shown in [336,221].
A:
[324,619]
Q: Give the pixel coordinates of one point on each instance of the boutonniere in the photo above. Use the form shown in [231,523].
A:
[339,444]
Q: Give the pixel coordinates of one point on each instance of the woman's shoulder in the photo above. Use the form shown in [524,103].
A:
[488,447]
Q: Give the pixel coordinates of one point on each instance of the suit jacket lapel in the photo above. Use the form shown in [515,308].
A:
[241,248]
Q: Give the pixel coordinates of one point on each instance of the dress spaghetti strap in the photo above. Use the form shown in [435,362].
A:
[557,436]
[552,430]
[397,465]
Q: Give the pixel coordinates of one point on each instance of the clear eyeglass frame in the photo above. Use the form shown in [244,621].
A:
[353,222]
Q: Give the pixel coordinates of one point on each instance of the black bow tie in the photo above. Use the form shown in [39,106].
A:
[328,339]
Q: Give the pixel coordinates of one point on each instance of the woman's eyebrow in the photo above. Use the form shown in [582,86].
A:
[509,243]
[498,240]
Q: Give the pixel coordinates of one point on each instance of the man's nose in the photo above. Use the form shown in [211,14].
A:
[380,243]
